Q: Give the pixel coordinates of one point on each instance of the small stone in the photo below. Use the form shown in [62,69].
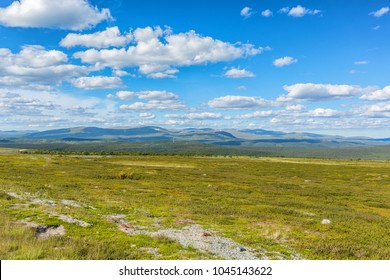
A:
[242,249]
[44,232]
[206,234]
[325,222]
[309,214]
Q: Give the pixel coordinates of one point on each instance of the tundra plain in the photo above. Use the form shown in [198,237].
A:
[74,206]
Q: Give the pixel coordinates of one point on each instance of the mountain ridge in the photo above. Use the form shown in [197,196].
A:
[224,137]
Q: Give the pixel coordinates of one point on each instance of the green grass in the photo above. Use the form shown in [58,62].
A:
[273,205]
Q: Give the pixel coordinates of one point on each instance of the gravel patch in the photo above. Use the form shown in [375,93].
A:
[15,195]
[32,200]
[192,236]
[69,202]
[70,219]
[196,237]
[29,223]
[46,202]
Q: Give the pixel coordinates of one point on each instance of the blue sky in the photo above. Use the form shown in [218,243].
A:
[317,66]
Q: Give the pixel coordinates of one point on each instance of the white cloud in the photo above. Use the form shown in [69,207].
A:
[298,11]
[158,52]
[97,82]
[320,92]
[239,102]
[147,95]
[321,112]
[70,14]
[379,110]
[361,62]
[35,66]
[377,27]
[148,116]
[170,73]
[296,107]
[246,12]
[196,116]
[353,72]
[239,73]
[111,37]
[257,114]
[380,12]
[41,108]
[284,61]
[380,94]
[284,10]
[266,13]
[121,73]
[241,88]
[156,100]
[169,104]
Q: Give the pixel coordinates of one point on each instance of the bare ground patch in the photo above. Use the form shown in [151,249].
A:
[194,236]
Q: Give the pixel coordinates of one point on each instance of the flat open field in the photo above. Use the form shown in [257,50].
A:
[178,207]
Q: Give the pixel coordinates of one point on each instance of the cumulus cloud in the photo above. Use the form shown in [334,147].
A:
[238,73]
[284,10]
[196,116]
[380,94]
[157,52]
[237,102]
[266,13]
[121,73]
[148,95]
[379,110]
[380,12]
[97,82]
[246,12]
[257,114]
[156,100]
[154,105]
[284,61]
[15,103]
[299,11]
[170,73]
[70,14]
[30,107]
[111,37]
[324,113]
[295,107]
[148,116]
[36,65]
[321,92]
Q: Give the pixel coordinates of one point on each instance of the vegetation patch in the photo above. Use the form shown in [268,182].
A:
[275,208]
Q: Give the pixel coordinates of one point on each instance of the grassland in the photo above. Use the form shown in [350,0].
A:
[196,148]
[274,207]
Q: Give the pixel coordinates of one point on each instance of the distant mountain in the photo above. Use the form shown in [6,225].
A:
[228,137]
[14,133]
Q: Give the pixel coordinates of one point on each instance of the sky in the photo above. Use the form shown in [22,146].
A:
[314,66]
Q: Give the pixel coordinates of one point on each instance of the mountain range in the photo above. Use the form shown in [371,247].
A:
[226,137]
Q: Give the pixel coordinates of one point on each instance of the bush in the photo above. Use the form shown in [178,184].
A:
[126,175]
